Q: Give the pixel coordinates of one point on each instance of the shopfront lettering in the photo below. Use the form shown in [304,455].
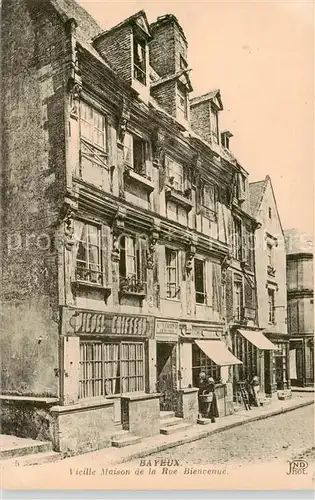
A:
[100,323]
[167,327]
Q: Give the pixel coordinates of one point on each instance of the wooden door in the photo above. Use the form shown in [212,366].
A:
[165,377]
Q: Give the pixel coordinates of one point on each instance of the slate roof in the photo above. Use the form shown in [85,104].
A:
[256,193]
[87,28]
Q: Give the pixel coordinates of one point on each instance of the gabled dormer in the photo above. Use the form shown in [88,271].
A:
[204,115]
[125,47]
[168,58]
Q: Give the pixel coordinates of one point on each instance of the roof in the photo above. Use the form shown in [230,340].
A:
[297,242]
[87,26]
[256,192]
[209,96]
[139,18]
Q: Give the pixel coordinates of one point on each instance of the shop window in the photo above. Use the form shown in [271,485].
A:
[215,125]
[135,153]
[139,60]
[248,354]
[172,281]
[182,100]
[111,368]
[201,363]
[130,265]
[238,299]
[93,133]
[175,174]
[281,366]
[88,252]
[271,306]
[200,281]
[237,239]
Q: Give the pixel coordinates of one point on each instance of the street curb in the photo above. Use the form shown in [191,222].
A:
[206,433]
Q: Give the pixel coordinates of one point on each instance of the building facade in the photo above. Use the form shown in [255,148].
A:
[271,287]
[300,290]
[126,252]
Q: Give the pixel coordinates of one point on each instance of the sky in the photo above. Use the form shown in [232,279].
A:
[260,54]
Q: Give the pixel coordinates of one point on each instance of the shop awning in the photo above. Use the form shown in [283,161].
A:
[258,339]
[217,351]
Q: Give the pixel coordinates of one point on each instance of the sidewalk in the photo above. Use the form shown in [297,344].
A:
[148,446]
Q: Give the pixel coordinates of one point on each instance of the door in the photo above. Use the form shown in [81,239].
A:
[166,364]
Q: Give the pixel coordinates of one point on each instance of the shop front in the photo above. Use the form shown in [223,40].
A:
[302,361]
[207,352]
[166,336]
[257,355]
[106,361]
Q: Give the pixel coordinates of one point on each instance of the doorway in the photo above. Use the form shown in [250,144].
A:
[166,372]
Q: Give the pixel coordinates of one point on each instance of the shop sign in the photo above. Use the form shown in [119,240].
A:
[90,322]
[166,326]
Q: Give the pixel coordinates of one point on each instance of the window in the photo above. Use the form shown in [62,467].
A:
[201,363]
[134,153]
[200,283]
[107,369]
[130,265]
[88,252]
[215,125]
[172,282]
[93,133]
[271,306]
[175,174]
[182,62]
[139,60]
[269,212]
[237,239]
[208,198]
[238,299]
[182,100]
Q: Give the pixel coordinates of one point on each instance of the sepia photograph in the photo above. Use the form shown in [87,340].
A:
[157,222]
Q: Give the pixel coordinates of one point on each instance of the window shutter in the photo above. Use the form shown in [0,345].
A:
[216,286]
[229,295]
[199,194]
[148,159]
[162,271]
[143,259]
[249,295]
[106,251]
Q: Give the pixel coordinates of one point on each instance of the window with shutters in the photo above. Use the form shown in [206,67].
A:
[208,201]
[182,100]
[94,141]
[88,262]
[172,273]
[237,239]
[111,368]
[131,266]
[135,153]
[200,281]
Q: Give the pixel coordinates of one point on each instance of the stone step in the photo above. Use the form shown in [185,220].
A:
[169,422]
[33,459]
[125,440]
[203,421]
[119,434]
[175,428]
[166,414]
[12,446]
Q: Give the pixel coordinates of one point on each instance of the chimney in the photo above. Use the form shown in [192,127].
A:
[225,138]
[204,116]
[168,58]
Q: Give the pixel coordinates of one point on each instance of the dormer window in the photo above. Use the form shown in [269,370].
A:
[183,63]
[182,100]
[139,59]
[215,124]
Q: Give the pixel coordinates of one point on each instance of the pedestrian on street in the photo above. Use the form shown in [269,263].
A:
[212,411]
[202,387]
[255,387]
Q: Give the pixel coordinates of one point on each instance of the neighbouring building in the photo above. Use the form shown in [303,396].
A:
[127,254]
[300,293]
[270,264]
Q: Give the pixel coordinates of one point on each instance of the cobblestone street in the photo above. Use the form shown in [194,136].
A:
[280,437]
